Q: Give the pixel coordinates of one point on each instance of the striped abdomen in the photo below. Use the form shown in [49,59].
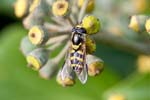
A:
[76,58]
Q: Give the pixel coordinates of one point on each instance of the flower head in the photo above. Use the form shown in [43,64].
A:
[34,4]
[21,8]
[143,64]
[134,24]
[26,46]
[38,35]
[90,45]
[60,8]
[147,25]
[91,24]
[95,65]
[37,58]
[68,81]
[137,23]
[90,6]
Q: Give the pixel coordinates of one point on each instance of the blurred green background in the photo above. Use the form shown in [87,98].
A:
[18,82]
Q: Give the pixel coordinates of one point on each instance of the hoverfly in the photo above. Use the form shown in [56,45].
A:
[76,57]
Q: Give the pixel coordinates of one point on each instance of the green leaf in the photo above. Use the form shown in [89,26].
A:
[6,7]
[135,87]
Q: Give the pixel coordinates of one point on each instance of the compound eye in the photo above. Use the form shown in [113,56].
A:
[81,30]
[74,29]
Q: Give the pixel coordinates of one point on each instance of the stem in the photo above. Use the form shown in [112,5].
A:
[62,53]
[57,39]
[52,28]
[59,21]
[70,21]
[124,44]
[82,11]
[75,10]
[52,65]
[49,2]
[56,42]
[54,46]
[73,19]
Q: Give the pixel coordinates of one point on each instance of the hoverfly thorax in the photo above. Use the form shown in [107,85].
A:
[78,37]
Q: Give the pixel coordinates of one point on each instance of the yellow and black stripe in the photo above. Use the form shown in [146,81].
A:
[76,47]
[76,58]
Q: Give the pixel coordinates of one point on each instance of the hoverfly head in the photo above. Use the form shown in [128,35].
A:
[79,30]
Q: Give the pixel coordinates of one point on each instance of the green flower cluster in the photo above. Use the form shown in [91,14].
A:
[50,23]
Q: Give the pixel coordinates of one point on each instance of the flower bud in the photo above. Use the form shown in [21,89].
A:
[32,20]
[34,4]
[21,8]
[141,6]
[137,23]
[37,58]
[41,6]
[68,81]
[143,64]
[38,11]
[38,35]
[91,24]
[60,8]
[90,6]
[95,65]
[147,25]
[26,46]
[48,70]
[90,45]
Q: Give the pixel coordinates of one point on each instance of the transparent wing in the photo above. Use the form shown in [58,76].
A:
[66,69]
[84,73]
